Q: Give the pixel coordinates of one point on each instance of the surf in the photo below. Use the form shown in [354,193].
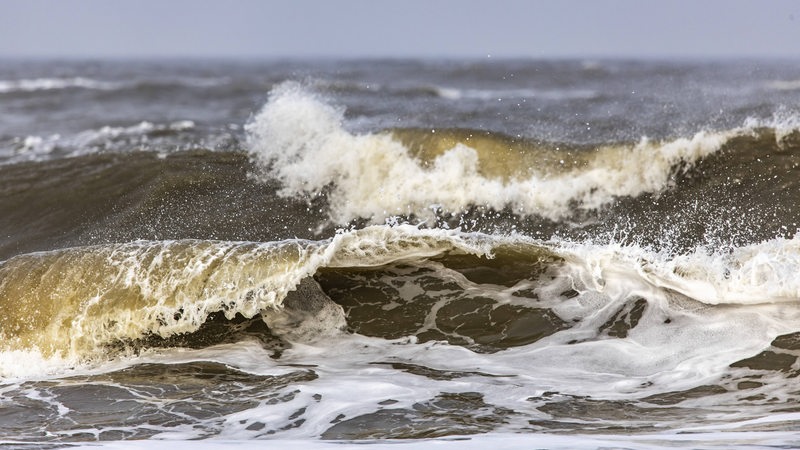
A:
[301,140]
[488,293]
[72,303]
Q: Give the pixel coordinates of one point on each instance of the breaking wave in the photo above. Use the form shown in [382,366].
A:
[73,305]
[49,84]
[300,140]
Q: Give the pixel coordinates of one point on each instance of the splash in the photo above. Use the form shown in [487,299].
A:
[300,140]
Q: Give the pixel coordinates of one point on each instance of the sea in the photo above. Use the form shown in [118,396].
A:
[394,254]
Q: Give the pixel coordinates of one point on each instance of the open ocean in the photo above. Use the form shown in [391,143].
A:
[400,253]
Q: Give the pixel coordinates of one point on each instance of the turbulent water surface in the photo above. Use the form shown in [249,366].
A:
[565,254]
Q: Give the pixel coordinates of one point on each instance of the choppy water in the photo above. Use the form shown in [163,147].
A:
[571,254]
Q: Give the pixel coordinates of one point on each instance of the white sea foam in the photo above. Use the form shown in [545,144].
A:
[21,364]
[301,140]
[497,441]
[683,339]
[784,121]
[752,274]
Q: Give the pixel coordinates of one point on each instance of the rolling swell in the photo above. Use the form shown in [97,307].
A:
[707,189]
[742,192]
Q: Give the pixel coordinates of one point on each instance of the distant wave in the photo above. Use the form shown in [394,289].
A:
[74,303]
[48,84]
[34,148]
[51,84]
[784,85]
[454,93]
[499,94]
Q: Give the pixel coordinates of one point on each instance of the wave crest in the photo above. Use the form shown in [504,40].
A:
[71,305]
[300,140]
[73,302]
[49,84]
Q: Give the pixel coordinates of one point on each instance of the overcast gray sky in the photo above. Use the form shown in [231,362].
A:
[399,28]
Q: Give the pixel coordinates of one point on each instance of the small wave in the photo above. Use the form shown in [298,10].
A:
[202,82]
[324,84]
[88,137]
[452,93]
[49,84]
[53,84]
[501,94]
[784,123]
[301,141]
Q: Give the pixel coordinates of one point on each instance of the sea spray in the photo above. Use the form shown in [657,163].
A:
[300,140]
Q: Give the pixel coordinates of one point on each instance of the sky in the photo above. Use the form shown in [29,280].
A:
[399,28]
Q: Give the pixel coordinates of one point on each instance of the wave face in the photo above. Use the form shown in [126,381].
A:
[85,298]
[584,253]
[442,306]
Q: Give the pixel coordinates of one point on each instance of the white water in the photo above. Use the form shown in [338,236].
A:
[496,441]
[300,140]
